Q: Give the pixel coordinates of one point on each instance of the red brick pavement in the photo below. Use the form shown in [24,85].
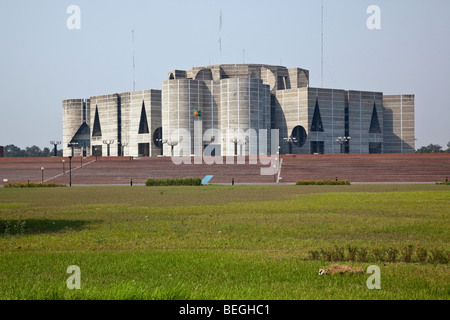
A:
[120,170]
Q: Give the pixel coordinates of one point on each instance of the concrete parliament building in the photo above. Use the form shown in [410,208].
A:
[232,98]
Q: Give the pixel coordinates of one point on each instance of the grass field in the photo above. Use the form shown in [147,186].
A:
[218,242]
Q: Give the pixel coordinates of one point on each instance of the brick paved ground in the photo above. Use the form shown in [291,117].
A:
[119,170]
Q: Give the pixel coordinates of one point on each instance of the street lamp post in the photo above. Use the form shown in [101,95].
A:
[172,144]
[64,162]
[161,141]
[55,148]
[83,150]
[275,166]
[108,143]
[290,140]
[70,171]
[235,141]
[123,145]
[241,143]
[42,172]
[72,145]
[342,141]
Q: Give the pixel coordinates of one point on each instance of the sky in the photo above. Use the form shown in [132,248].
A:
[43,62]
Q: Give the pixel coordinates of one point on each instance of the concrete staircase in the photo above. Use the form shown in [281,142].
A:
[120,170]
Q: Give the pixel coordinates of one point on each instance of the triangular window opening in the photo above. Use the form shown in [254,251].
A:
[143,124]
[97,130]
[82,136]
[316,124]
[374,123]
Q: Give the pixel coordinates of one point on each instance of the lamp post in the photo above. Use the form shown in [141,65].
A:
[123,145]
[83,150]
[241,143]
[172,144]
[55,148]
[96,153]
[70,171]
[342,141]
[290,140]
[235,141]
[64,162]
[108,143]
[42,172]
[161,141]
[81,157]
[72,145]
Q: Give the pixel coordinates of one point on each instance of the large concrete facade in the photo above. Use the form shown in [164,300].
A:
[123,123]
[233,103]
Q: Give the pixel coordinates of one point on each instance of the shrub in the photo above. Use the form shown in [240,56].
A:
[32,185]
[174,182]
[392,254]
[352,252]
[378,254]
[339,253]
[322,182]
[421,254]
[439,256]
[327,254]
[314,255]
[407,253]
[363,254]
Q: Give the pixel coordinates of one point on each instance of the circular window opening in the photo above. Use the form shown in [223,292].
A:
[299,136]
[157,137]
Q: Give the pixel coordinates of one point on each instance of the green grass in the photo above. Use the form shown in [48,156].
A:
[322,182]
[217,242]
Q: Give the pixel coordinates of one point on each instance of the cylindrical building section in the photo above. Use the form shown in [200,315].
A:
[210,116]
[75,112]
[245,104]
[179,99]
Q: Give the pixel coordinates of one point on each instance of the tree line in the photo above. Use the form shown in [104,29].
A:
[433,148]
[13,151]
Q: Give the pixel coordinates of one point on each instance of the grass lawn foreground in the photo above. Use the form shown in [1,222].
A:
[220,242]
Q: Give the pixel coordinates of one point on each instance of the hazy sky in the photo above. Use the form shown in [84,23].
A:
[42,62]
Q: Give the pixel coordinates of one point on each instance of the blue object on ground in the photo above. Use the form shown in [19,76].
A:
[206,179]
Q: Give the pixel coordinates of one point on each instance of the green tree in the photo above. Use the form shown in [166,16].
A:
[33,151]
[46,152]
[431,148]
[13,151]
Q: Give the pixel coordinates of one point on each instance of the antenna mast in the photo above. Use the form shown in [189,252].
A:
[134,66]
[322,50]
[220,33]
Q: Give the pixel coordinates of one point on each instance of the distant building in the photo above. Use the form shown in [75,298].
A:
[236,98]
